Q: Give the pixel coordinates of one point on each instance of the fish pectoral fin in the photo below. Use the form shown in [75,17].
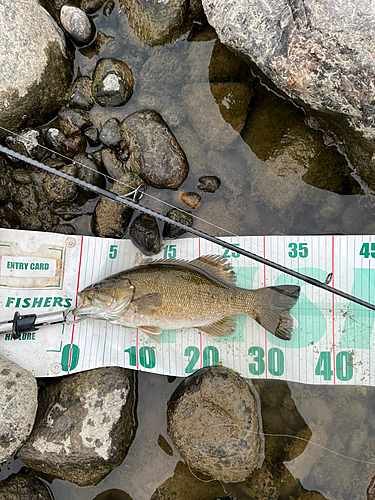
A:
[147,304]
[222,328]
[152,332]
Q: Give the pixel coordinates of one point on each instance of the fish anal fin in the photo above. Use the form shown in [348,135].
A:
[148,304]
[217,266]
[152,332]
[222,328]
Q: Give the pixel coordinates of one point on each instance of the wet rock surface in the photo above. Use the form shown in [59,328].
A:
[112,164]
[213,423]
[110,134]
[27,142]
[36,67]
[22,486]
[76,23]
[112,82]
[144,233]
[171,231]
[313,51]
[190,199]
[59,189]
[111,219]
[80,95]
[88,170]
[18,402]
[209,183]
[84,426]
[155,154]
[73,121]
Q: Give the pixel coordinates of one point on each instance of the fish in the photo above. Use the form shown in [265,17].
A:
[171,294]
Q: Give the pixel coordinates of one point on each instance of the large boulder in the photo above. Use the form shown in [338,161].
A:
[321,52]
[18,403]
[35,67]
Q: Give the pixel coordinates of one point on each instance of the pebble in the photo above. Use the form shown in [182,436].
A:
[67,146]
[92,136]
[110,134]
[18,403]
[190,199]
[202,414]
[58,189]
[77,24]
[170,231]
[85,424]
[108,8]
[112,164]
[73,121]
[91,6]
[112,82]
[22,486]
[209,183]
[80,95]
[88,170]
[111,219]
[29,142]
[144,233]
[155,154]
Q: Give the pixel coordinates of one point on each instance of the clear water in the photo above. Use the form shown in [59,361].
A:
[278,177]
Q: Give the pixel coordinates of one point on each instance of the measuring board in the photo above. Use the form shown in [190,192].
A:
[331,343]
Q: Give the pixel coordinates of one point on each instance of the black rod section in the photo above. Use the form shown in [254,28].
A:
[196,232]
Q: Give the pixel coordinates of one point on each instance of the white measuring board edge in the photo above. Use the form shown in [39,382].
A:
[331,343]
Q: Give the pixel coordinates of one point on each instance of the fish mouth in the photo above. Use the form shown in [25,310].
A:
[83,308]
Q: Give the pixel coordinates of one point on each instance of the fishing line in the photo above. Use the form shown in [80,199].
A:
[196,232]
[34,142]
[301,439]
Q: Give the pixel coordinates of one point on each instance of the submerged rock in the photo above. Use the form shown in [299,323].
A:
[213,423]
[155,154]
[18,403]
[22,487]
[209,183]
[28,142]
[317,51]
[171,231]
[112,82]
[91,6]
[111,219]
[59,189]
[190,199]
[110,134]
[73,121]
[36,69]
[88,170]
[80,95]
[144,233]
[77,24]
[92,136]
[156,23]
[84,426]
[112,164]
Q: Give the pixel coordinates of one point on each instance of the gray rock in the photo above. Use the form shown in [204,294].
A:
[213,423]
[155,154]
[112,164]
[112,82]
[171,231]
[110,134]
[67,146]
[22,487]
[317,51]
[111,219]
[92,136]
[73,121]
[28,142]
[58,189]
[18,403]
[156,23]
[88,170]
[35,68]
[91,6]
[80,95]
[113,495]
[84,426]
[144,233]
[77,24]
[108,8]
[209,183]
[54,138]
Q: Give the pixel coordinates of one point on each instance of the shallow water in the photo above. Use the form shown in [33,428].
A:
[278,177]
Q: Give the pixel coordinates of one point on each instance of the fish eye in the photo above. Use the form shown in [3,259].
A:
[96,287]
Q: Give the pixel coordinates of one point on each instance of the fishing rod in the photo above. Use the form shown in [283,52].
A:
[135,205]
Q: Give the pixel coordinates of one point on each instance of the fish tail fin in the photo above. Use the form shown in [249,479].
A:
[271,308]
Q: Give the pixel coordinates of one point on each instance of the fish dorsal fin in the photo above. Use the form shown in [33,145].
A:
[215,265]
[222,328]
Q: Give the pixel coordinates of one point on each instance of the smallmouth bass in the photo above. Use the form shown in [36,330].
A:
[174,294]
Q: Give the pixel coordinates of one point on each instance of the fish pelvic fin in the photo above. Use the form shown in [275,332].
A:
[272,309]
[152,332]
[222,328]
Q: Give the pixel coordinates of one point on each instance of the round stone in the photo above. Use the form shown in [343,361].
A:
[190,199]
[170,231]
[144,233]
[110,134]
[77,24]
[80,94]
[112,82]
[213,423]
[209,183]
